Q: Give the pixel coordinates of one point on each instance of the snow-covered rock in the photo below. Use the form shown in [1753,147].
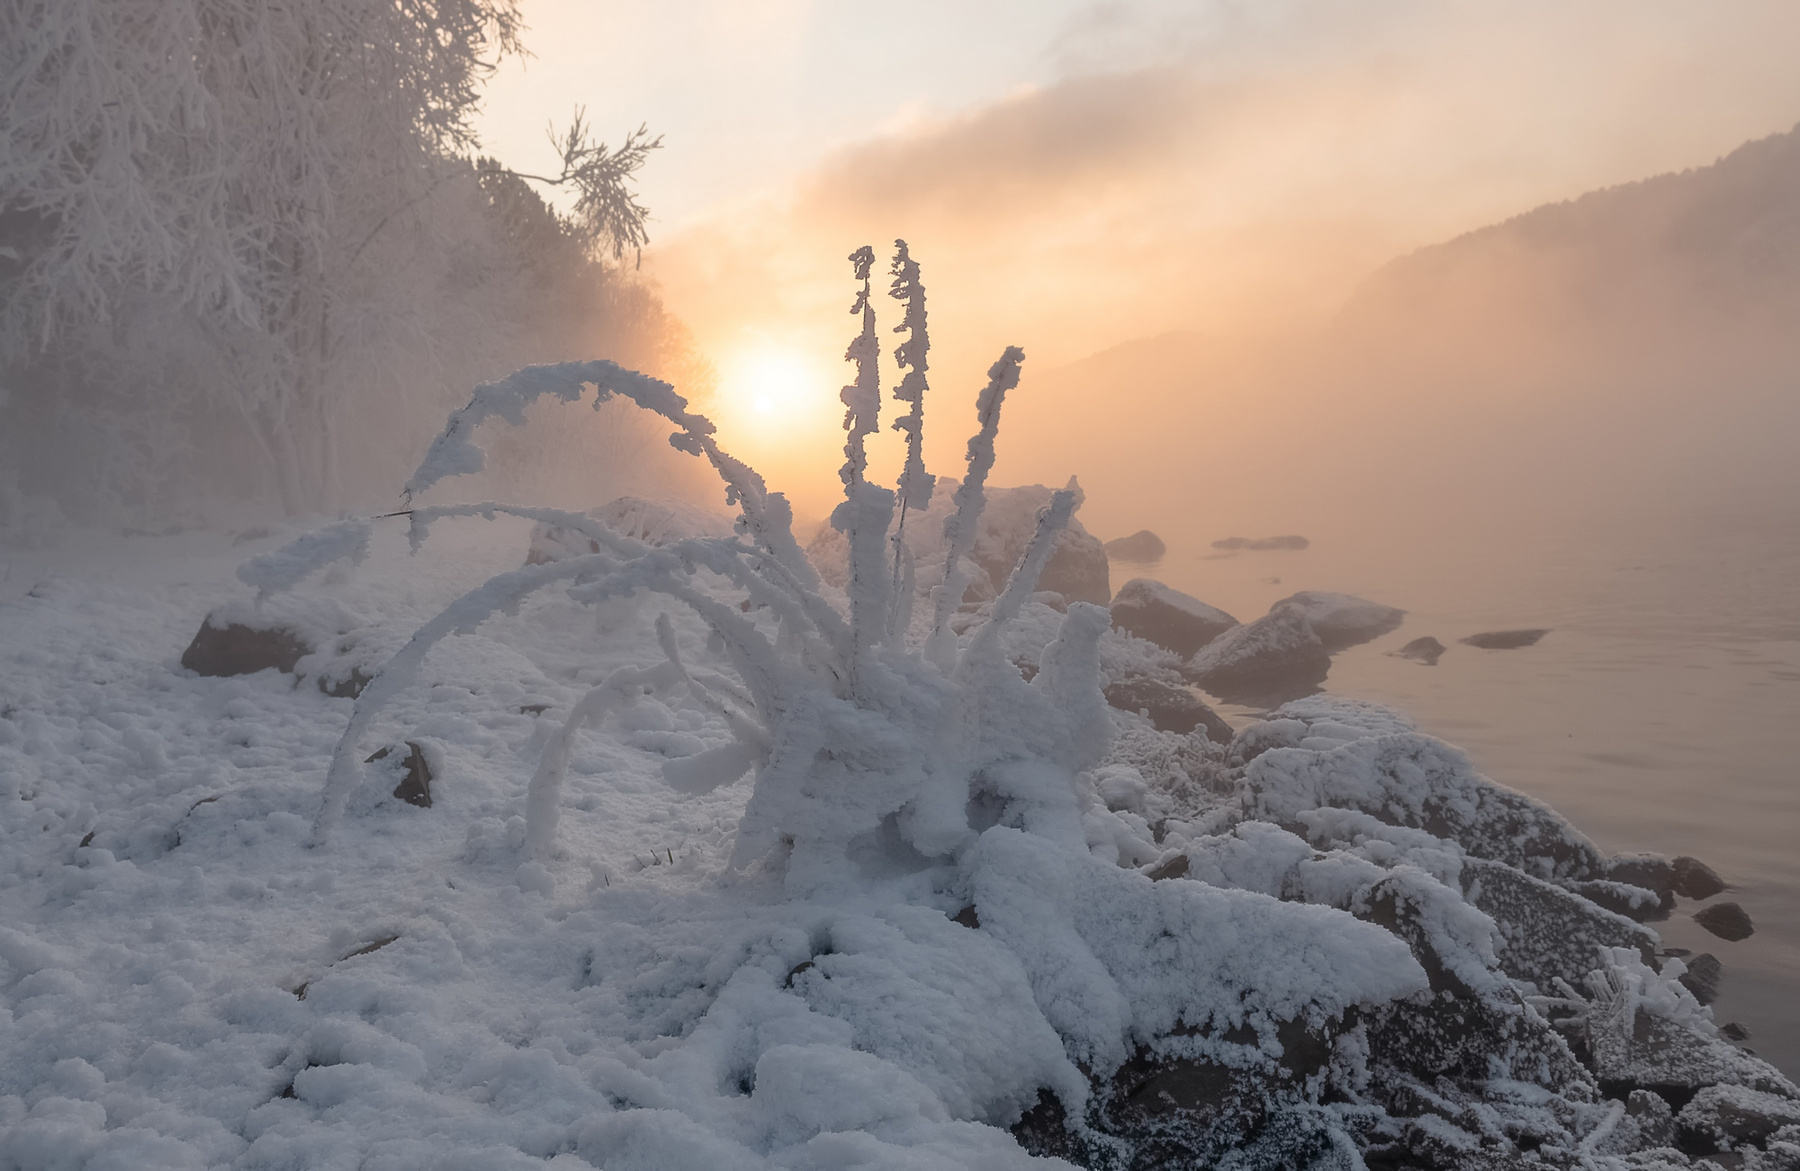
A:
[1077,568]
[654,522]
[222,647]
[1168,706]
[1180,622]
[1275,658]
[1343,620]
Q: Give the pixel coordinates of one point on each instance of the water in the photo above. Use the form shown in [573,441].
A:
[1659,714]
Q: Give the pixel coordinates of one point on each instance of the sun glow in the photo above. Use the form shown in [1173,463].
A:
[777,409]
[772,385]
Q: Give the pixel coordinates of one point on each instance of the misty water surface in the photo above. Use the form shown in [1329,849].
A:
[1659,714]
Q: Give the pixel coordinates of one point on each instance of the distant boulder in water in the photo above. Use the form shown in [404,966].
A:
[1728,921]
[1694,879]
[1258,544]
[1276,658]
[1141,546]
[1426,650]
[1344,620]
[1169,618]
[1504,640]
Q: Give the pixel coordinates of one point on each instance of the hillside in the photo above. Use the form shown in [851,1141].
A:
[1630,345]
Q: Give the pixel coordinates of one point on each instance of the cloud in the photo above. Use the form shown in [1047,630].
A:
[1228,169]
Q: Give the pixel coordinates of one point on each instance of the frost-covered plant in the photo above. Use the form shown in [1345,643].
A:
[865,736]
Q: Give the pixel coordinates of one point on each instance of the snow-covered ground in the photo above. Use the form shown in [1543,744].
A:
[188,982]
[721,867]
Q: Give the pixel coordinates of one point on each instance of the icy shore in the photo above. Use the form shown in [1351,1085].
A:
[1354,950]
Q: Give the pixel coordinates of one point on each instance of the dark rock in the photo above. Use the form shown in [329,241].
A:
[1188,1111]
[1650,1116]
[237,649]
[1504,640]
[798,968]
[1168,707]
[1732,1031]
[1731,1116]
[1343,620]
[1261,543]
[415,781]
[1275,658]
[348,687]
[1694,879]
[1150,610]
[967,917]
[1409,780]
[1623,898]
[1650,1052]
[1046,1132]
[1176,867]
[1649,871]
[1702,977]
[1427,650]
[1077,569]
[1142,545]
[1728,921]
[1550,932]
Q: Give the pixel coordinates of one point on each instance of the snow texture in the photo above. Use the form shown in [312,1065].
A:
[741,884]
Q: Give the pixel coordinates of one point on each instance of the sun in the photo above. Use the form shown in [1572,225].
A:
[771,384]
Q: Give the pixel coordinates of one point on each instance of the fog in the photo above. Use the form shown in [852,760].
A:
[485,669]
[1244,176]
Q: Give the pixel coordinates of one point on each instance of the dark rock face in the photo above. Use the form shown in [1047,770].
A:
[1621,898]
[348,686]
[1169,618]
[1260,544]
[1728,921]
[237,649]
[414,787]
[1725,1117]
[1504,640]
[1142,545]
[1077,569]
[1551,933]
[1169,708]
[1349,808]
[1164,1108]
[1276,657]
[1694,879]
[1427,650]
[1343,620]
[1702,977]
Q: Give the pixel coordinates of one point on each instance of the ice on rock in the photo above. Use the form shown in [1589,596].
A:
[1276,657]
[1405,779]
[1173,620]
[1343,620]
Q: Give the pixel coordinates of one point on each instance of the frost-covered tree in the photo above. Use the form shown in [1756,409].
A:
[256,188]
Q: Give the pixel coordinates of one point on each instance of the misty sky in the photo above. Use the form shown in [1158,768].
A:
[1073,175]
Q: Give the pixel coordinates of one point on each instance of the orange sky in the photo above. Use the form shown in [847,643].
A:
[1074,175]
